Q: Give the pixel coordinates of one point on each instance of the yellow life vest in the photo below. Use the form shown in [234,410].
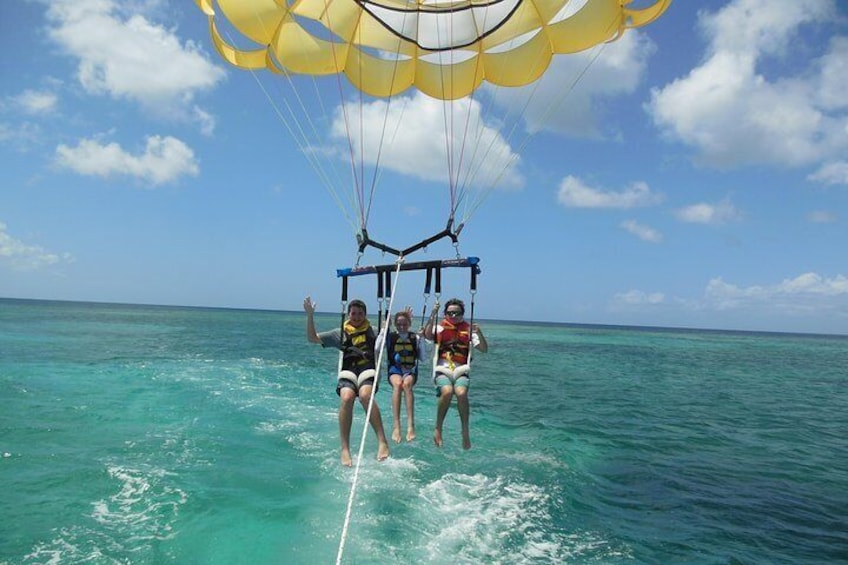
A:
[358,347]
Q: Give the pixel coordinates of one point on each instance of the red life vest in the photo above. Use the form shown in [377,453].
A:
[454,340]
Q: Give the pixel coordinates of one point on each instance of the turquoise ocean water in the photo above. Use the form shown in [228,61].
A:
[137,434]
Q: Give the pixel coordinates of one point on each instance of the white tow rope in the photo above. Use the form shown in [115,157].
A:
[381,341]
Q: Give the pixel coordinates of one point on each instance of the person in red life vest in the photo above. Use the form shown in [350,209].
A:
[454,339]
[404,349]
[358,370]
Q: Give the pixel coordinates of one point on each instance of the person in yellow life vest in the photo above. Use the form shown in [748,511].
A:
[454,338]
[358,372]
[404,349]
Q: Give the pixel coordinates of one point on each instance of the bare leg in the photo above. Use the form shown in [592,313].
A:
[462,407]
[345,421]
[376,422]
[441,411]
[408,382]
[396,381]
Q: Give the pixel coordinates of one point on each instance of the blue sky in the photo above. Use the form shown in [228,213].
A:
[695,176]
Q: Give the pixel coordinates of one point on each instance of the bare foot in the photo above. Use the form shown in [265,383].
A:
[466,441]
[437,438]
[396,435]
[410,434]
[383,451]
[346,460]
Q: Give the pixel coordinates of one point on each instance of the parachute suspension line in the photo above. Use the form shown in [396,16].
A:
[447,114]
[447,120]
[294,125]
[380,340]
[380,145]
[357,185]
[557,103]
[300,136]
[327,117]
[554,105]
[482,152]
[365,202]
[404,102]
[470,172]
[463,183]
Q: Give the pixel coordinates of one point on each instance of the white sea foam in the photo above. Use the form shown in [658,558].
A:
[145,505]
[476,518]
[72,545]
[536,458]
[142,510]
[51,553]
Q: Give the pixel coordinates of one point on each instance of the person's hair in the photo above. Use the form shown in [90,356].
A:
[356,303]
[403,314]
[455,302]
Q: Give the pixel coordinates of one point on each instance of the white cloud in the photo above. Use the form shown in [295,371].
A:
[821,217]
[21,132]
[638,298]
[21,135]
[418,148]
[705,213]
[834,76]
[740,107]
[205,120]
[566,100]
[23,256]
[164,160]
[808,296]
[832,173]
[645,233]
[809,292]
[36,102]
[574,193]
[131,57]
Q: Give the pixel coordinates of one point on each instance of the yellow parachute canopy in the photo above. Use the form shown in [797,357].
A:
[444,48]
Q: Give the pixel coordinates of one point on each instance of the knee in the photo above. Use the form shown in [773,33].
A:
[407,385]
[461,393]
[347,396]
[447,393]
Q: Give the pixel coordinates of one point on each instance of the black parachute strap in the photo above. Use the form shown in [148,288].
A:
[380,302]
[365,241]
[428,283]
[437,336]
[438,292]
[473,291]
[344,311]
[388,287]
[475,270]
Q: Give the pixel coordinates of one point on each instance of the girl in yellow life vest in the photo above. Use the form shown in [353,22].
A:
[403,351]
[454,338]
[356,340]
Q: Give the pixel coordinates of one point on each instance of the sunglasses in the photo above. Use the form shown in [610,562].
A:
[453,313]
